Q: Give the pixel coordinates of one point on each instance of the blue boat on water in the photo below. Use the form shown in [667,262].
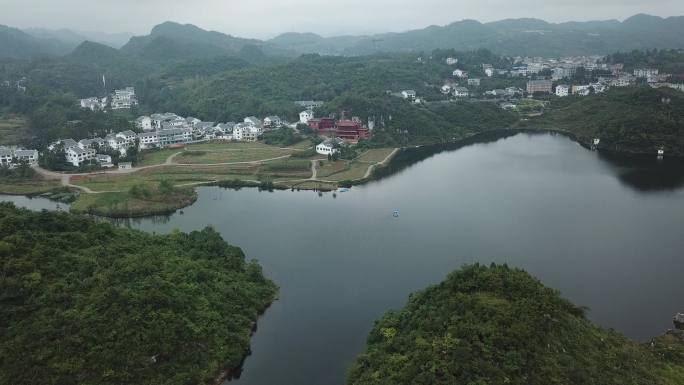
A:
[343,190]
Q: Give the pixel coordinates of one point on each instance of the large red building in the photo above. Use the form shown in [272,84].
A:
[349,130]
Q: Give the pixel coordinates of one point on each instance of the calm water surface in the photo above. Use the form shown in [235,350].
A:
[608,235]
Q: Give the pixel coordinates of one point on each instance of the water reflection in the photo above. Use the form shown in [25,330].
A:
[647,173]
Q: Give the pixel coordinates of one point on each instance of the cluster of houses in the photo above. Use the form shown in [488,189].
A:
[19,85]
[119,100]
[162,131]
[12,156]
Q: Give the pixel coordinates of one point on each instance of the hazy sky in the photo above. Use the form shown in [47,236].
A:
[267,18]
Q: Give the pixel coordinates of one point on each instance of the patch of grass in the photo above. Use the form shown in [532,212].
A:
[124,204]
[231,155]
[154,157]
[13,131]
[375,155]
[28,187]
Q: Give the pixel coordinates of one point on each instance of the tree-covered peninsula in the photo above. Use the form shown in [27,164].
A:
[85,302]
[498,325]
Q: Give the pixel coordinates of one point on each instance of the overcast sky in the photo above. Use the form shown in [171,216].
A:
[267,18]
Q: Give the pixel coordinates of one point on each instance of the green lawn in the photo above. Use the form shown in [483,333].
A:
[157,157]
[28,187]
[13,131]
[375,155]
[254,154]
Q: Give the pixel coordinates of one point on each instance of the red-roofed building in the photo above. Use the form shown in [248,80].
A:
[323,125]
[351,131]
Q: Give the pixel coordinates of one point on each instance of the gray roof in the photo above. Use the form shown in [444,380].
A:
[21,153]
[5,152]
[128,133]
[69,143]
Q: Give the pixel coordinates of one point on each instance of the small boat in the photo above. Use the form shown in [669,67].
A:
[342,190]
[395,214]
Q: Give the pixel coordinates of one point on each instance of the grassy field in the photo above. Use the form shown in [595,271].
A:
[123,204]
[13,131]
[28,187]
[375,155]
[220,152]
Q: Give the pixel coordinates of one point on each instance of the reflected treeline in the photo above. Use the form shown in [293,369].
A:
[412,155]
[642,173]
[136,222]
[647,173]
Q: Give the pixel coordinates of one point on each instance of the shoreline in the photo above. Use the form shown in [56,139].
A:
[399,159]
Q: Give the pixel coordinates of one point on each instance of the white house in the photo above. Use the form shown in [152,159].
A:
[148,140]
[562,90]
[305,116]
[30,156]
[77,155]
[246,133]
[128,135]
[103,159]
[174,136]
[272,121]
[446,89]
[125,165]
[124,99]
[451,61]
[253,120]
[329,147]
[460,74]
[6,157]
[645,72]
[461,92]
[408,94]
[94,104]
[144,123]
[474,82]
[117,143]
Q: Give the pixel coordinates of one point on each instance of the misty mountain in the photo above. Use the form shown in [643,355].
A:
[508,37]
[17,44]
[115,40]
[172,41]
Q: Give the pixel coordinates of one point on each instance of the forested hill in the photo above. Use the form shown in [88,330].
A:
[638,120]
[497,325]
[507,37]
[85,302]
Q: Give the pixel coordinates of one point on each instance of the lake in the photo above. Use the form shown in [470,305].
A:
[608,234]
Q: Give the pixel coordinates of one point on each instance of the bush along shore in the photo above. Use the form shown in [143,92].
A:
[499,325]
[86,302]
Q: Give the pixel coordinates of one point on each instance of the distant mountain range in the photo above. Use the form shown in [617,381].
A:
[173,42]
[506,37]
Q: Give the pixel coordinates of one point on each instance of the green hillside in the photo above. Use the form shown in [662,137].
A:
[498,325]
[84,302]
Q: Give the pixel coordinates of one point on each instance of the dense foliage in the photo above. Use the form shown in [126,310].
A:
[638,120]
[497,325]
[84,302]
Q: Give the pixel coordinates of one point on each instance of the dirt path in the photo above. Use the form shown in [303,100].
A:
[382,163]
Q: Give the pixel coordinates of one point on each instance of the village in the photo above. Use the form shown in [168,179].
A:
[544,76]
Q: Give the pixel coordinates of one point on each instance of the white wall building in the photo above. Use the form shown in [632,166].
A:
[144,123]
[246,133]
[562,90]
[124,99]
[305,116]
[148,140]
[461,92]
[77,156]
[328,147]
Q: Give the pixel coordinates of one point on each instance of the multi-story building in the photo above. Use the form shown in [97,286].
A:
[77,155]
[174,136]
[539,86]
[562,90]
[124,99]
